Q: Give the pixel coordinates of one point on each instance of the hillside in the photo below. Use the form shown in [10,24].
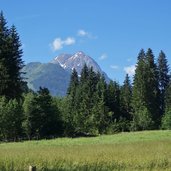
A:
[49,75]
[148,150]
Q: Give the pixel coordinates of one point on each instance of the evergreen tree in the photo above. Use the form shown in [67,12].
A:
[84,74]
[166,119]
[10,61]
[71,105]
[41,115]
[152,88]
[163,70]
[73,83]
[126,95]
[142,118]
[11,117]
[29,106]
[3,119]
[168,97]
[113,99]
[4,76]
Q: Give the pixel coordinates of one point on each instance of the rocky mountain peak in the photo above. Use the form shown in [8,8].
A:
[77,61]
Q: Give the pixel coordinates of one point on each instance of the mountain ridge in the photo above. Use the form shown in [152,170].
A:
[55,75]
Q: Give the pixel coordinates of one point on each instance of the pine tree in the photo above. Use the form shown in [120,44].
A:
[163,70]
[142,118]
[113,99]
[10,61]
[166,119]
[152,87]
[42,118]
[71,105]
[4,75]
[99,110]
[125,102]
[29,106]
[84,74]
[168,97]
[73,82]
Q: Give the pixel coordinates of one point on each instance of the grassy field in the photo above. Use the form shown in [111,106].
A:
[148,150]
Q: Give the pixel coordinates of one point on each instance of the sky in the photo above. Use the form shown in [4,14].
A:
[112,32]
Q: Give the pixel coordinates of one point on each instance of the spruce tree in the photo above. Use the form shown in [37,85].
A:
[163,71]
[73,82]
[126,96]
[10,61]
[4,75]
[166,119]
[168,97]
[152,88]
[71,106]
[113,100]
[42,118]
[29,106]
[99,110]
[142,118]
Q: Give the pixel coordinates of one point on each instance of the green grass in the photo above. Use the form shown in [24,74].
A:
[148,150]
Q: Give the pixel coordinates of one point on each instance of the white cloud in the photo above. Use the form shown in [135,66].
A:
[114,67]
[69,41]
[103,56]
[82,33]
[130,70]
[58,43]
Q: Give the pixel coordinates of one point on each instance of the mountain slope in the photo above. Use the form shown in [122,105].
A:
[77,61]
[56,74]
[49,75]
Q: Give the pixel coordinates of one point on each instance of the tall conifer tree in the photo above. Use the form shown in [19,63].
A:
[163,70]
[10,61]
[142,118]
[152,88]
[126,95]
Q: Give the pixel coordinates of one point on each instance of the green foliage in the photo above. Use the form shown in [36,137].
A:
[11,117]
[152,88]
[113,99]
[125,99]
[164,78]
[145,100]
[28,108]
[166,120]
[42,118]
[142,120]
[168,97]
[10,61]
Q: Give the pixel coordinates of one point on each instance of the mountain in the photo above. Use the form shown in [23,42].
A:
[77,61]
[49,75]
[55,75]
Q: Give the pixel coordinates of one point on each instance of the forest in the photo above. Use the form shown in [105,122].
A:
[91,106]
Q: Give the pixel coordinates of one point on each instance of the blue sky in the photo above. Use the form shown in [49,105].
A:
[110,31]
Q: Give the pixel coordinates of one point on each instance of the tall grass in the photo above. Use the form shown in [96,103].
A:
[149,150]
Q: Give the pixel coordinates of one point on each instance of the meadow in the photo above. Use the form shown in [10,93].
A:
[147,150]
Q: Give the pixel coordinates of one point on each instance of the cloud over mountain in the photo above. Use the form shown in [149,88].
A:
[58,43]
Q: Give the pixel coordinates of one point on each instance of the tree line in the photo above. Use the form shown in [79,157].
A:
[90,107]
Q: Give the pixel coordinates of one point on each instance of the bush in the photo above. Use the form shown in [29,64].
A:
[166,120]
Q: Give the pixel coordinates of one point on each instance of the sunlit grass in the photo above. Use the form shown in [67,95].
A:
[148,150]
